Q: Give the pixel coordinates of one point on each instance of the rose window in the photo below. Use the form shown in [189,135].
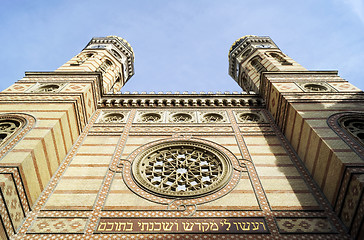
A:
[182,169]
[150,117]
[213,117]
[181,117]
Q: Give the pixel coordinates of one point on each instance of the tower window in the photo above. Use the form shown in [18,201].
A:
[257,65]
[82,58]
[280,59]
[105,66]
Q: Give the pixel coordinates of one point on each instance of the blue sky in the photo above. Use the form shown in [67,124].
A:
[181,45]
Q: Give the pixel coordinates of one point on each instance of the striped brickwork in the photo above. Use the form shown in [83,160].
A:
[54,122]
[93,64]
[93,181]
[269,63]
[304,119]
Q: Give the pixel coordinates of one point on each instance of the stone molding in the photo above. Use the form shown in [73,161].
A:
[181,100]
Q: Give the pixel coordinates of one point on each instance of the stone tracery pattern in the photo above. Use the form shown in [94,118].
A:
[113,118]
[181,117]
[355,126]
[150,117]
[315,87]
[7,128]
[350,127]
[182,169]
[250,117]
[9,125]
[213,117]
[47,88]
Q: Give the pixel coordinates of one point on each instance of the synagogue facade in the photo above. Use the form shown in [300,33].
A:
[283,159]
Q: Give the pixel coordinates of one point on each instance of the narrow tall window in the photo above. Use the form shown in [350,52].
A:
[105,66]
[82,58]
[257,65]
[280,59]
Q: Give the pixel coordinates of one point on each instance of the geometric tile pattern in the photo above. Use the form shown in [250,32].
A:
[5,223]
[181,129]
[58,225]
[352,198]
[12,201]
[18,87]
[305,225]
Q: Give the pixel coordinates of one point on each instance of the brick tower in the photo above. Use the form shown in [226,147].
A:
[281,160]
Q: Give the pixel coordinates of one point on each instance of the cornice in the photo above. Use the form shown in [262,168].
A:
[181,100]
[122,45]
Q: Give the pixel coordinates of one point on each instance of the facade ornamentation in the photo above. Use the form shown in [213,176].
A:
[262,165]
[151,117]
[181,117]
[9,125]
[315,87]
[213,118]
[47,87]
[182,169]
[350,127]
[354,125]
[249,117]
[113,117]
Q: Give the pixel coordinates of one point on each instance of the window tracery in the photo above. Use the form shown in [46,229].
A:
[181,117]
[213,118]
[182,168]
[354,125]
[250,118]
[47,88]
[257,65]
[113,118]
[9,125]
[105,66]
[150,117]
[349,126]
[277,56]
[315,88]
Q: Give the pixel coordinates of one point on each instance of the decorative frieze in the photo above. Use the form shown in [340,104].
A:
[248,117]
[181,100]
[181,117]
[113,117]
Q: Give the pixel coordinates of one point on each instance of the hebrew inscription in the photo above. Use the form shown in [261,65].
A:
[182,225]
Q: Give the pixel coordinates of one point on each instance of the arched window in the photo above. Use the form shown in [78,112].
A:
[255,62]
[105,66]
[350,127]
[354,125]
[280,58]
[9,125]
[82,58]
